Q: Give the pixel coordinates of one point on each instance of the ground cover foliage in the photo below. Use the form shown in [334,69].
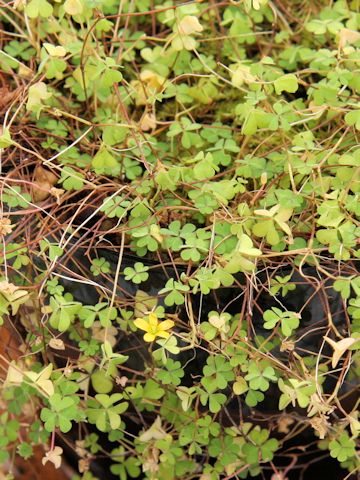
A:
[180,225]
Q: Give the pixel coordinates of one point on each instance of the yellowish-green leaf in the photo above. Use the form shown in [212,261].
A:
[189,25]
[286,83]
[183,42]
[5,138]
[38,94]
[155,432]
[14,374]
[242,75]
[53,51]
[74,7]
[144,303]
[42,379]
[240,386]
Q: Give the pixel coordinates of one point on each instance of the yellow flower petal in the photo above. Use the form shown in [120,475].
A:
[153,320]
[166,325]
[142,324]
[149,337]
[163,334]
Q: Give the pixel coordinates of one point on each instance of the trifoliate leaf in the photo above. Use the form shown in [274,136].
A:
[53,51]
[39,8]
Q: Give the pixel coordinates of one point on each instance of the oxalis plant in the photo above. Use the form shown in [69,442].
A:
[180,220]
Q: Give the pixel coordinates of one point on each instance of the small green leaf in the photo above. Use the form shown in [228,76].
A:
[286,83]
[39,8]
[5,138]
[353,118]
[105,163]
[74,7]
[38,94]
[25,450]
[342,448]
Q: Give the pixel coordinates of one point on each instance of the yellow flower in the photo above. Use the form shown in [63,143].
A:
[153,327]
